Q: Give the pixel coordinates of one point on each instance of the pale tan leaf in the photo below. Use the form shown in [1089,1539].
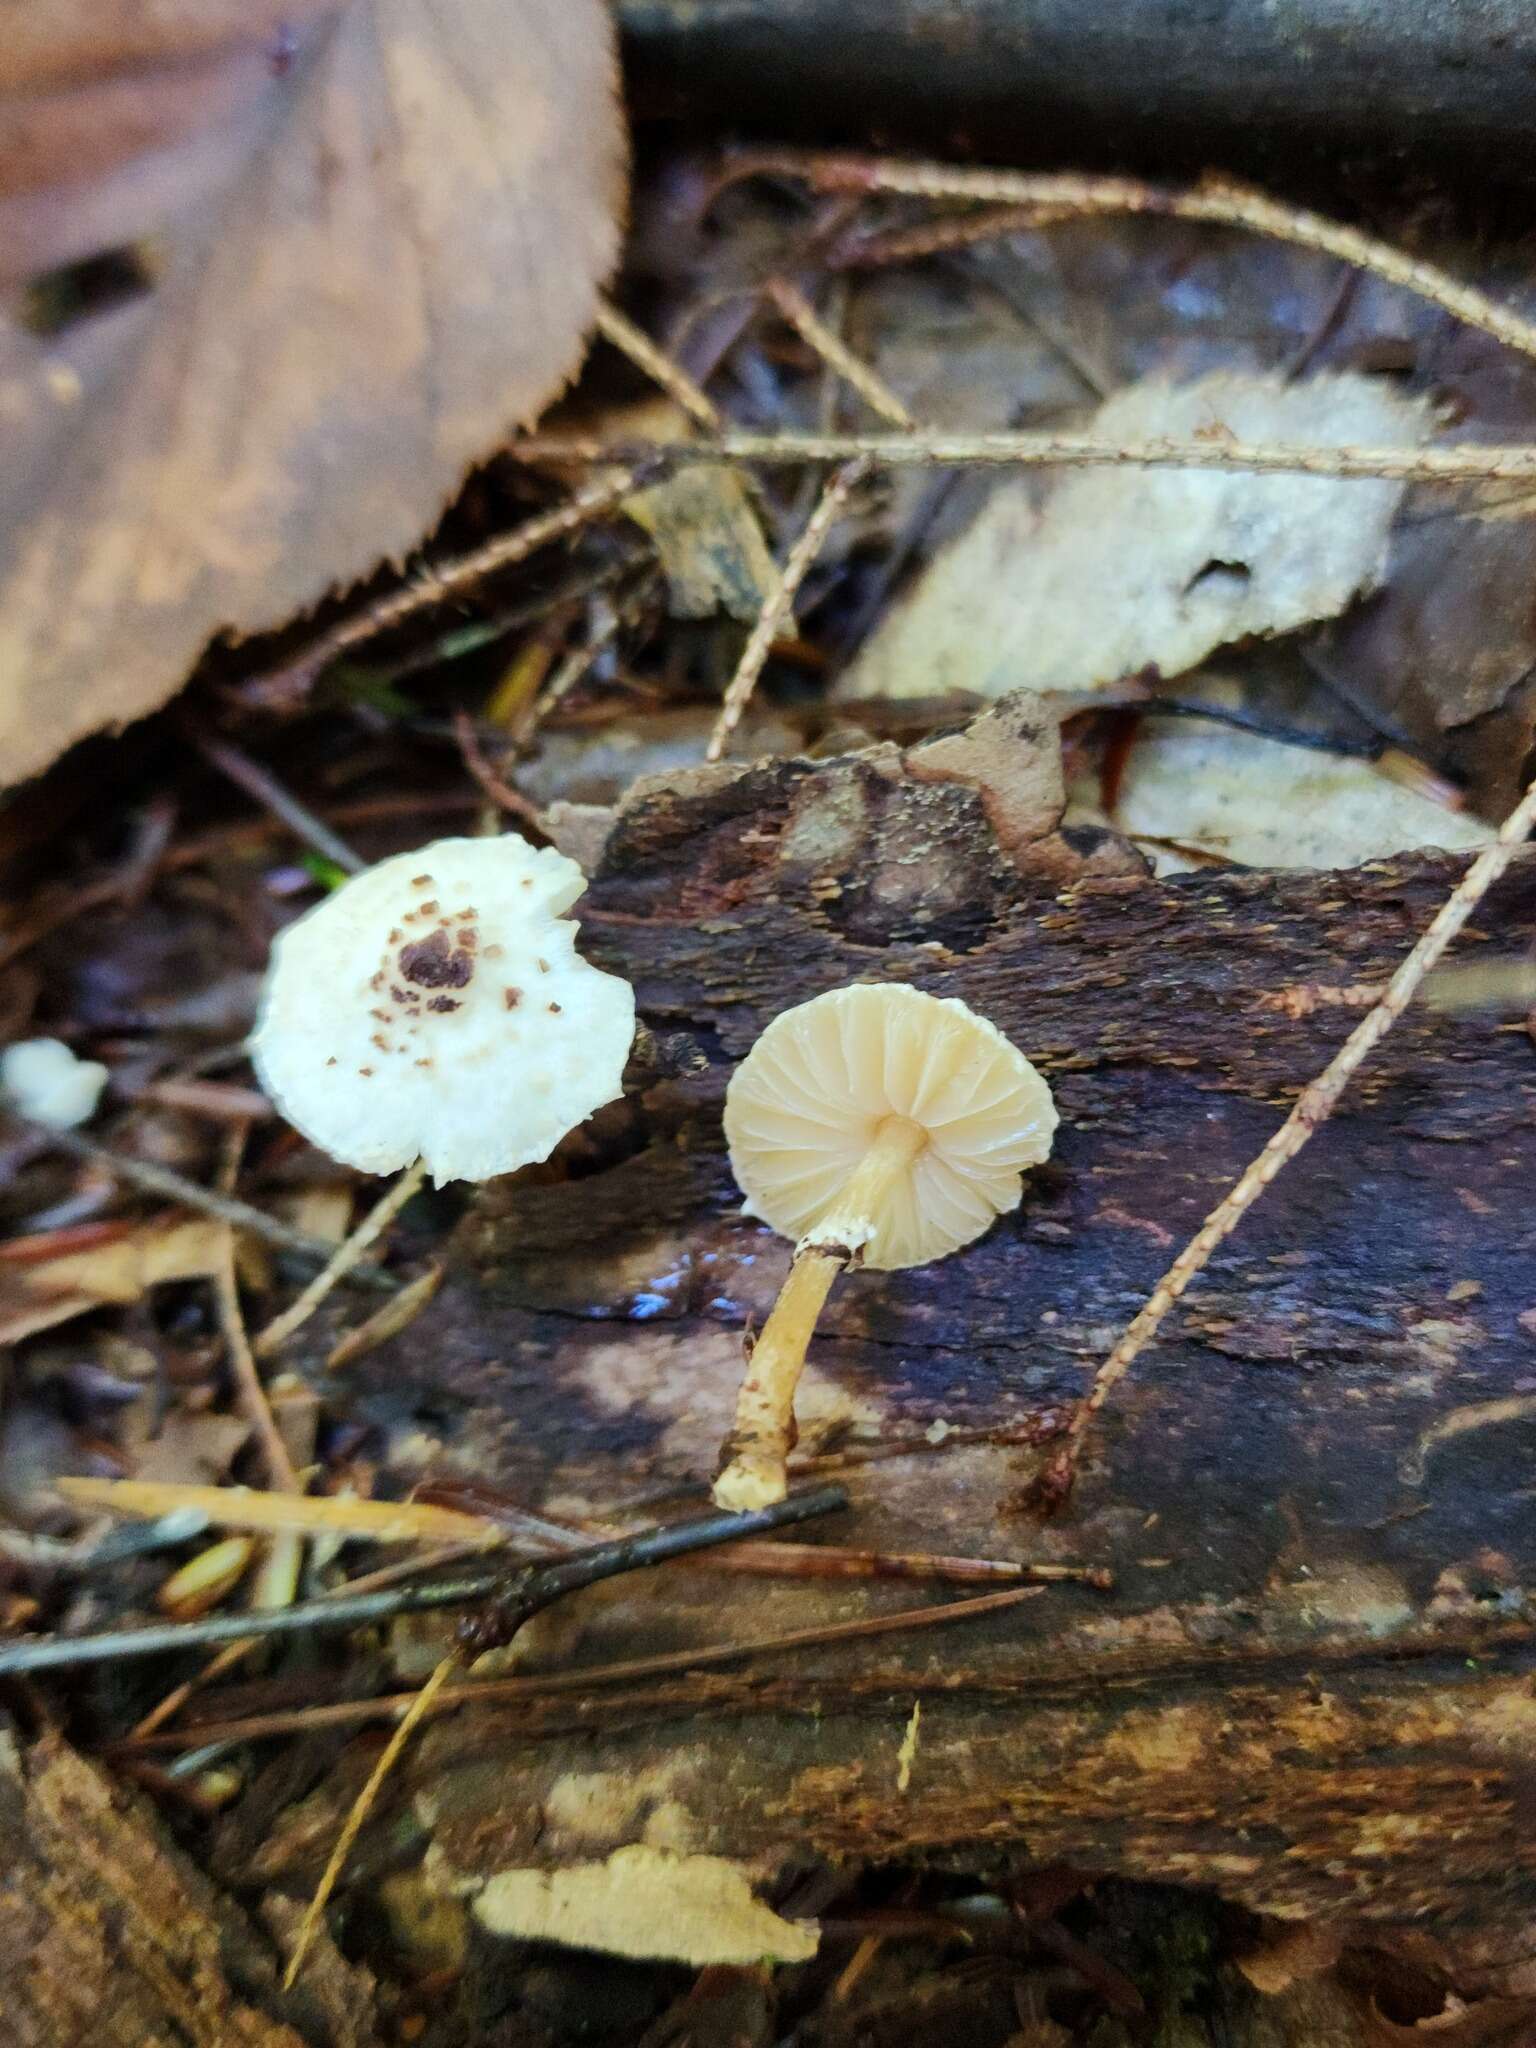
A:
[236,1507]
[34,1298]
[1233,795]
[1120,569]
[377,230]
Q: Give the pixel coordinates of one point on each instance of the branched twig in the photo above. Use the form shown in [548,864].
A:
[1217,200]
[1466,464]
[507,1600]
[1314,1106]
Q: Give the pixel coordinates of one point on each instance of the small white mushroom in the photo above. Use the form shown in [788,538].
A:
[875,1125]
[435,1008]
[42,1079]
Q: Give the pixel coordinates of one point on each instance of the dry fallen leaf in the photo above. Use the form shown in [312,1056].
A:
[1238,796]
[376,232]
[1121,569]
[703,521]
[34,1298]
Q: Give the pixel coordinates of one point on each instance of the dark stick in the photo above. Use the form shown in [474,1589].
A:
[259,783]
[511,1596]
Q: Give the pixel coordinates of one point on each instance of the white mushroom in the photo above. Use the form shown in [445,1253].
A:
[42,1079]
[435,1007]
[878,1126]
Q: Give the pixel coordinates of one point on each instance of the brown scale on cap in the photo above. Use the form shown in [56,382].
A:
[443,1004]
[421,881]
[512,997]
[434,962]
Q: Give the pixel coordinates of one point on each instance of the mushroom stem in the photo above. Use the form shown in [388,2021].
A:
[757,1450]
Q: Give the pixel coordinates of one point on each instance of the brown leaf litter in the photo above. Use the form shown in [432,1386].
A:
[362,275]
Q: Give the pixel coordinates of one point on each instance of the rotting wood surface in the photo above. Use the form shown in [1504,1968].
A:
[1281,83]
[1312,1687]
[109,1936]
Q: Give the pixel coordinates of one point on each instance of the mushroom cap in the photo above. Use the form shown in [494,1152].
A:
[806,1103]
[435,1007]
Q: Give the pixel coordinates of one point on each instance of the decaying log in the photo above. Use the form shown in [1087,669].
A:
[1285,84]
[109,1936]
[1312,1686]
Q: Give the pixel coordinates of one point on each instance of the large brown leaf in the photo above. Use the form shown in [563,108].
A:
[379,231]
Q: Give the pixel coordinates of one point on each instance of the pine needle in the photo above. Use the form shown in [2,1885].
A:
[361,1808]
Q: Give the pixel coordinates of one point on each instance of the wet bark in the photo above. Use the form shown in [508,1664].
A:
[1312,1686]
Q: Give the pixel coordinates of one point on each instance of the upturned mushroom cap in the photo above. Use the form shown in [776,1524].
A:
[805,1106]
[435,1007]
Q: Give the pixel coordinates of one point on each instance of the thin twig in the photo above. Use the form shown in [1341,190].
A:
[938,237]
[633,342]
[439,583]
[1469,463]
[1314,1106]
[387,1321]
[574,665]
[1220,201]
[797,309]
[342,1261]
[500,792]
[260,783]
[834,1561]
[503,1691]
[251,1394]
[779,603]
[506,1600]
[362,1807]
[175,1187]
